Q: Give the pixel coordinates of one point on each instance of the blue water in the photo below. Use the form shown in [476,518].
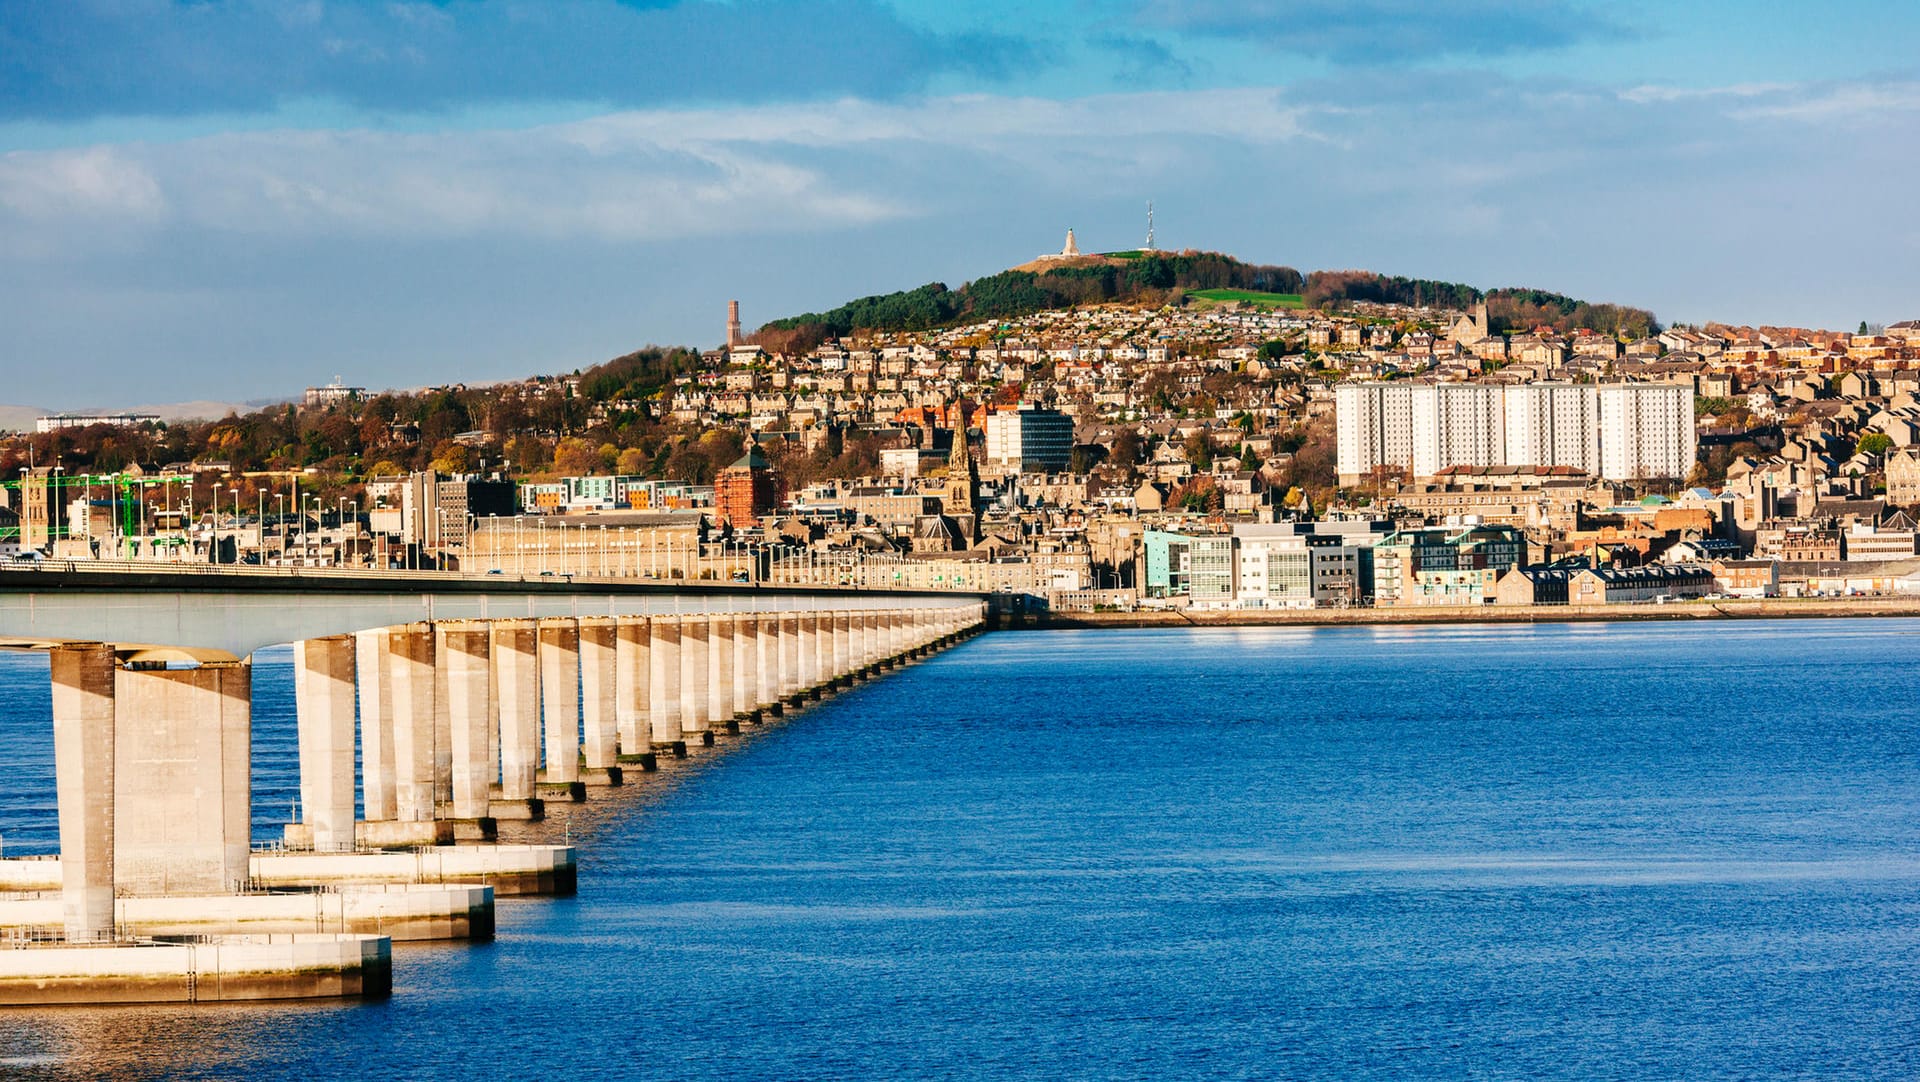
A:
[1590,851]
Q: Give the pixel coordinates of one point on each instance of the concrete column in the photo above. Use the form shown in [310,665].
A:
[863,638]
[663,689]
[323,707]
[83,762]
[822,648]
[560,698]
[599,693]
[809,650]
[767,668]
[631,678]
[789,651]
[410,653]
[467,656]
[720,650]
[373,677]
[182,779]
[746,662]
[516,691]
[693,673]
[841,646]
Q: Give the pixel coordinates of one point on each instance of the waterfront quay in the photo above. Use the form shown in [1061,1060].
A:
[430,709]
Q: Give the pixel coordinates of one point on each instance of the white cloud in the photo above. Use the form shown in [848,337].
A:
[94,182]
[634,176]
[1650,94]
[1844,102]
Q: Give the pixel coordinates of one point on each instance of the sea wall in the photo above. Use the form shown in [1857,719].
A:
[1739,609]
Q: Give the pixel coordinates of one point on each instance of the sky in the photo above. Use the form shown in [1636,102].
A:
[235,199]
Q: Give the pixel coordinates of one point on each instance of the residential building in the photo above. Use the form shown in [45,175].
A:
[1616,431]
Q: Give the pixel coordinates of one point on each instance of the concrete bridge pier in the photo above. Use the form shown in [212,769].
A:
[371,673]
[839,647]
[633,676]
[466,655]
[693,685]
[809,658]
[83,758]
[869,639]
[516,682]
[663,686]
[746,667]
[182,778]
[323,692]
[770,668]
[789,635]
[560,712]
[720,661]
[599,701]
[896,640]
[823,673]
[412,678]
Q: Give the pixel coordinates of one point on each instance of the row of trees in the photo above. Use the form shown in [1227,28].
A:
[1508,310]
[1150,278]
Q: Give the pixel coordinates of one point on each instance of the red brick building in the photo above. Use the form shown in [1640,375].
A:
[746,490]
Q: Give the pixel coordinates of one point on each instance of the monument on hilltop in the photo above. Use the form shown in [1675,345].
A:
[1070,250]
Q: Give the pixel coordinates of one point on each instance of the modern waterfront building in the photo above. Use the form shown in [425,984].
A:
[1444,565]
[1029,440]
[1212,574]
[1616,431]
[1288,565]
[1164,556]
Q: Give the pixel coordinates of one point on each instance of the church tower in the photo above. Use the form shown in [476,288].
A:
[963,479]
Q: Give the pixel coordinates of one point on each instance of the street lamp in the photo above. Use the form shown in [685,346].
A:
[235,491]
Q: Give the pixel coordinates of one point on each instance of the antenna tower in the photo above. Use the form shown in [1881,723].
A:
[1149,225]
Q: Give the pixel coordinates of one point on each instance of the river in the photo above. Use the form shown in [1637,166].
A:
[1584,851]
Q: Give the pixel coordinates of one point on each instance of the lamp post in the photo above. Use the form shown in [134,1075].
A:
[233,490]
[280,520]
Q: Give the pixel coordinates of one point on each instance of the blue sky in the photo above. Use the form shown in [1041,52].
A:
[234,199]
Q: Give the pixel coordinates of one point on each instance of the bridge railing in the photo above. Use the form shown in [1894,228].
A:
[288,573]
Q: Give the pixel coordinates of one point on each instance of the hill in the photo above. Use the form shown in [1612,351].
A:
[1161,277]
[1145,278]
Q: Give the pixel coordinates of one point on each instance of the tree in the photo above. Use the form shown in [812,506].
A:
[1124,454]
[1199,451]
[452,457]
[632,462]
[1874,443]
[576,457]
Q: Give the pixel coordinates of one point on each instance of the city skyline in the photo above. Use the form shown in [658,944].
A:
[232,202]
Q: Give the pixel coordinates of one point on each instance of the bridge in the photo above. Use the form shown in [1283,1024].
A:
[468,698]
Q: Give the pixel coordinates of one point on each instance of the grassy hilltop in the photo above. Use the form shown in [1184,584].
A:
[1155,278]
